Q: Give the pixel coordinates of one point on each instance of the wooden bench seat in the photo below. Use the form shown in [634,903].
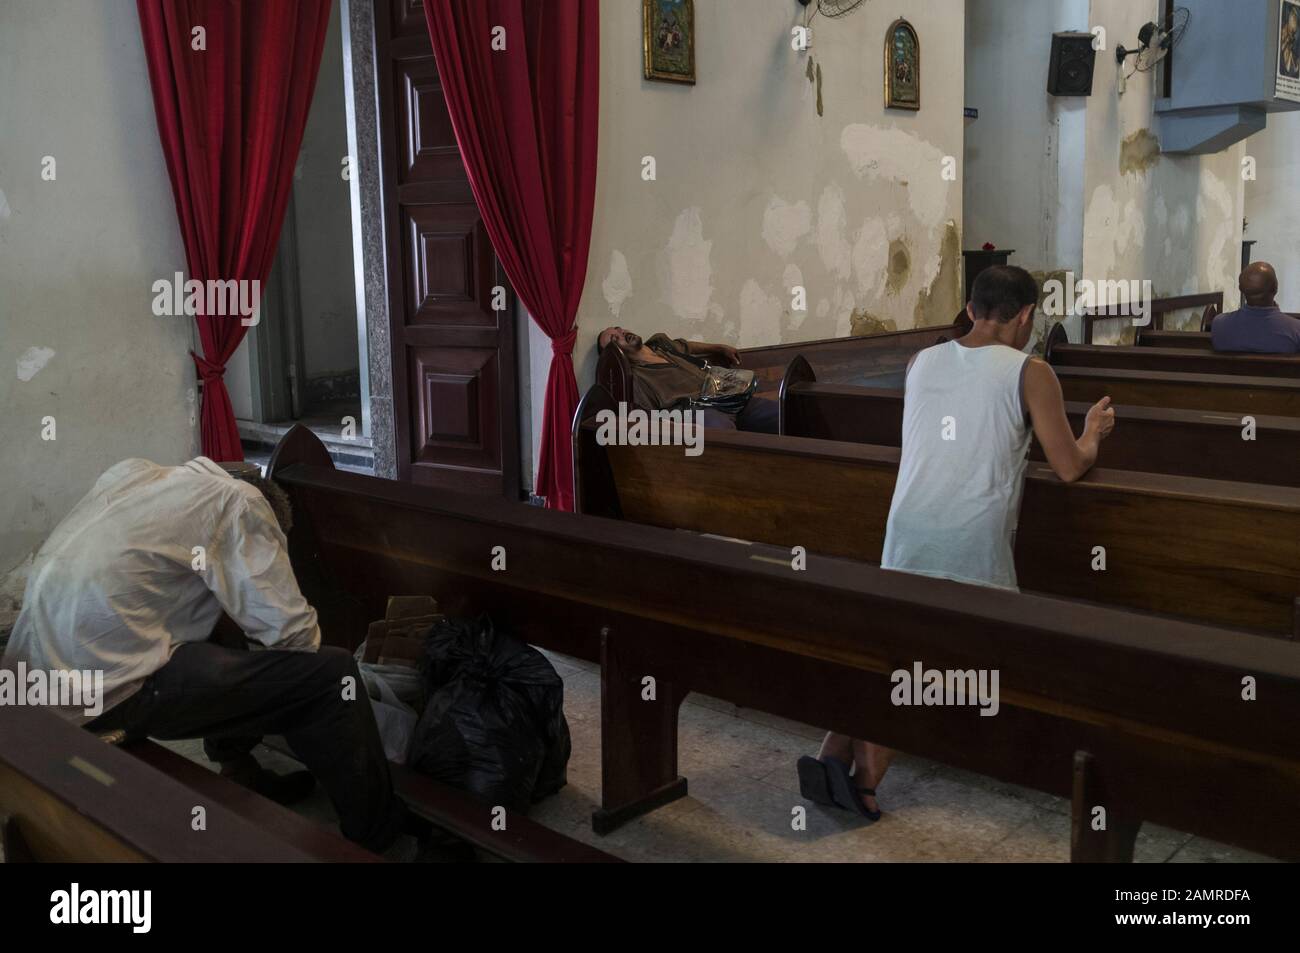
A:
[1145,713]
[461,814]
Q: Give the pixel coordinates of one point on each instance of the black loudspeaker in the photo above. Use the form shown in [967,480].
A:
[1073,59]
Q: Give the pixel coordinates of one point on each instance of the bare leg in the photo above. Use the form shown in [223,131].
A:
[872,762]
[836,746]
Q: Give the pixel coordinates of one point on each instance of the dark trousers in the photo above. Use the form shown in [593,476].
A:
[761,415]
[231,698]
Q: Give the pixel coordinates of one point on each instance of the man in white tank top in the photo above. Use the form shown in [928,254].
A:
[970,409]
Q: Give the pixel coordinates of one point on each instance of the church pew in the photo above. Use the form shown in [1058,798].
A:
[1218,552]
[1192,340]
[1160,307]
[1173,359]
[1134,713]
[67,796]
[850,358]
[1267,396]
[1193,443]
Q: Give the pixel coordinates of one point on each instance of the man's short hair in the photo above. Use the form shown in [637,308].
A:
[1002,292]
[251,473]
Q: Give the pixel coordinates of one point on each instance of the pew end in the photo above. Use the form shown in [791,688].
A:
[1055,338]
[594,492]
[799,372]
[299,445]
[614,374]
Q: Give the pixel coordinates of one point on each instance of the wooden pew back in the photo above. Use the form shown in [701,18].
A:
[1226,553]
[1193,443]
[835,358]
[70,797]
[1154,703]
[1268,396]
[1193,340]
[1179,360]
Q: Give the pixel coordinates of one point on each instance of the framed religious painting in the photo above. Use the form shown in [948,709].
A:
[669,27]
[902,66]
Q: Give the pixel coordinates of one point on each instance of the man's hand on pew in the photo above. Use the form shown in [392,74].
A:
[1100,419]
[1069,458]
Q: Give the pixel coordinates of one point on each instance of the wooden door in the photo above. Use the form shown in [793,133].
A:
[455,399]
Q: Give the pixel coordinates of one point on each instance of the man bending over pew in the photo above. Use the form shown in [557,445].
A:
[1260,326]
[667,373]
[970,408]
[133,583]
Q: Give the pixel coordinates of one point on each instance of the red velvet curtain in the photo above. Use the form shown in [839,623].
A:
[522,82]
[232,84]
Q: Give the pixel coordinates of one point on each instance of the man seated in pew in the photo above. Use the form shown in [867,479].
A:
[970,409]
[668,373]
[1260,326]
[133,582]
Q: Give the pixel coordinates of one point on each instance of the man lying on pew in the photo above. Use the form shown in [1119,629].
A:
[132,584]
[1260,326]
[668,373]
[970,409]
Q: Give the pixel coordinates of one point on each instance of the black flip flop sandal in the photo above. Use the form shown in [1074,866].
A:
[848,795]
[814,781]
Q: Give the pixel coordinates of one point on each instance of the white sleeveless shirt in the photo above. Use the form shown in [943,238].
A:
[965,449]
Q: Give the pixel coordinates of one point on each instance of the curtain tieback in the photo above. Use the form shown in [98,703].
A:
[563,345]
[208,371]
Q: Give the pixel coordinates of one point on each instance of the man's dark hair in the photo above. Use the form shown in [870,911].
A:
[251,473]
[1002,292]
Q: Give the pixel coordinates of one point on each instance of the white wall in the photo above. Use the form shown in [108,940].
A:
[77,258]
[1173,220]
[1025,153]
[757,192]
[1273,202]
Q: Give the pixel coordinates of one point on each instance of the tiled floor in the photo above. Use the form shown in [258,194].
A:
[743,795]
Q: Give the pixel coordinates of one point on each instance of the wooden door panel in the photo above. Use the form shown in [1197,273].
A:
[453,356]
[450,267]
[407,18]
[426,141]
[454,407]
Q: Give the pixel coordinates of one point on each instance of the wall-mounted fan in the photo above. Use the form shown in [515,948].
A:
[832,8]
[1156,41]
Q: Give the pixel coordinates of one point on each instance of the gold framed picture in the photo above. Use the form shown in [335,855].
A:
[669,40]
[902,66]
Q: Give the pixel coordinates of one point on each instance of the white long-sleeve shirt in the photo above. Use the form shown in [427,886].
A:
[120,584]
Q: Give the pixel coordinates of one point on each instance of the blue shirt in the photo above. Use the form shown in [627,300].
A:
[1257,331]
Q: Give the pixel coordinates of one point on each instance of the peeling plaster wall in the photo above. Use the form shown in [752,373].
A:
[1025,153]
[756,191]
[1273,203]
[777,168]
[78,339]
[1173,220]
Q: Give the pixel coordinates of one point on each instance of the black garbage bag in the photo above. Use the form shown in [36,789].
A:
[494,722]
